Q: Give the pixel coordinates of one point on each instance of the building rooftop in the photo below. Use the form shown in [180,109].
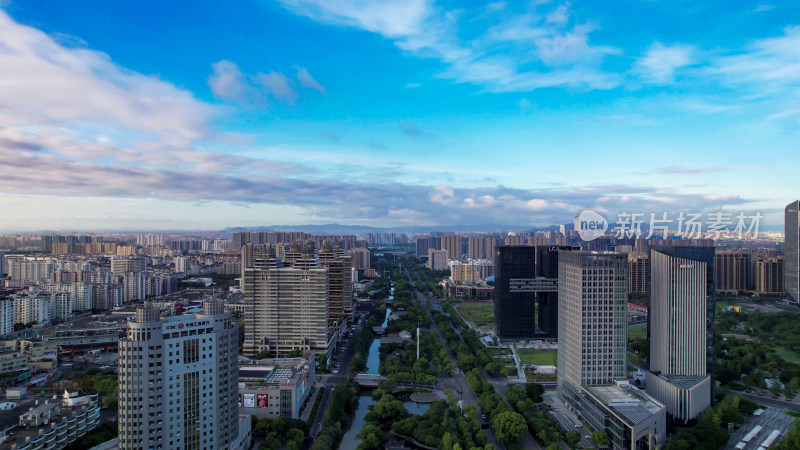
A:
[683,382]
[634,405]
[277,370]
[280,374]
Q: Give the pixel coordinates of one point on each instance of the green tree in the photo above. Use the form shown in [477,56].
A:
[110,402]
[447,441]
[791,388]
[509,427]
[534,391]
[387,409]
[572,438]
[600,438]
[792,439]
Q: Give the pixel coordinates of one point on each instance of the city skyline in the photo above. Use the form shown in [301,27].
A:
[529,113]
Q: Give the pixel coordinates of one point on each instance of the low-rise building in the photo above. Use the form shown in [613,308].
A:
[631,418]
[51,424]
[277,388]
[451,289]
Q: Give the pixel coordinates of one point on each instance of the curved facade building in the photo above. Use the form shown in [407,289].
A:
[681,329]
[791,246]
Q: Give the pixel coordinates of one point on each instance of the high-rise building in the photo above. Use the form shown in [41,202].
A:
[592,316]
[481,247]
[251,252]
[437,259]
[181,264]
[150,239]
[286,308]
[679,329]
[514,306]
[452,244]
[30,268]
[134,286]
[121,265]
[360,258]
[791,247]
[732,271]
[526,279]
[769,274]
[238,239]
[47,244]
[638,273]
[547,294]
[178,381]
[592,357]
[515,240]
[423,244]
[33,307]
[340,286]
[6,316]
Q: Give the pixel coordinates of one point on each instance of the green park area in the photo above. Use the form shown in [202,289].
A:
[637,331]
[538,357]
[479,315]
[787,355]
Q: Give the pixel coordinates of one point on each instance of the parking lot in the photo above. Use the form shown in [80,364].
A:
[771,419]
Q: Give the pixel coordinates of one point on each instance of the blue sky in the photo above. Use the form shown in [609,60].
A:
[166,115]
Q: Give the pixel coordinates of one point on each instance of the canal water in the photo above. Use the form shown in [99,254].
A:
[373,358]
[350,441]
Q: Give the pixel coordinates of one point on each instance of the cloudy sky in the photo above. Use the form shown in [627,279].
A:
[187,114]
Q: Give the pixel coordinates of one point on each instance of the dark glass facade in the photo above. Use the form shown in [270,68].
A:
[514,312]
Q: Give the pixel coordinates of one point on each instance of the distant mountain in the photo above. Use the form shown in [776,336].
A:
[335,228]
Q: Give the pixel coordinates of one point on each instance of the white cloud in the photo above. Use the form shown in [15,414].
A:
[538,204]
[228,82]
[387,17]
[497,60]
[762,8]
[278,86]
[559,16]
[705,107]
[306,80]
[47,84]
[767,65]
[660,63]
[496,6]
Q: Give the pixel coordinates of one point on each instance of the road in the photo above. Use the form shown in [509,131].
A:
[459,380]
[763,400]
[567,419]
[330,381]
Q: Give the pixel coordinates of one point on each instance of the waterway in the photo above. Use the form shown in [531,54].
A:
[373,358]
[350,440]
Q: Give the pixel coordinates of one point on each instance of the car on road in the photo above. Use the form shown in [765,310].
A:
[484,417]
[577,425]
[588,436]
